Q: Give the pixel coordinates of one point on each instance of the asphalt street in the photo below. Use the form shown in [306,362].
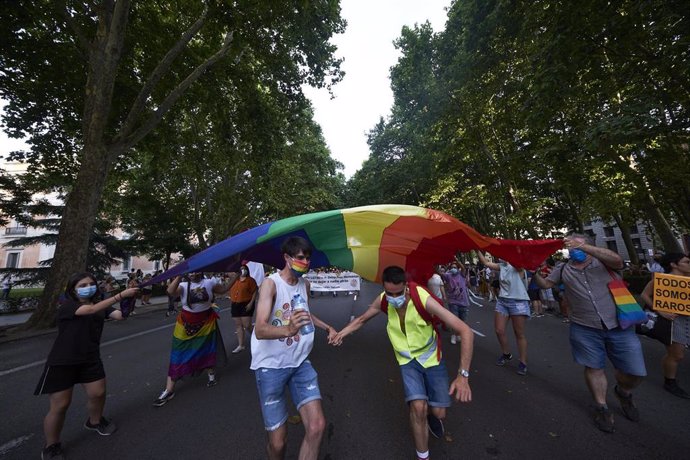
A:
[546,414]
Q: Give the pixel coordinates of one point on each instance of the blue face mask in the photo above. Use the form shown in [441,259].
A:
[454,271]
[86,292]
[578,255]
[396,302]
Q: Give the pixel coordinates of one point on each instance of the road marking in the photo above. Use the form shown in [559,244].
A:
[13,444]
[104,344]
[478,333]
[476,303]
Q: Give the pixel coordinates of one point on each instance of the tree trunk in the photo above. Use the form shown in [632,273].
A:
[627,239]
[661,225]
[82,203]
[75,228]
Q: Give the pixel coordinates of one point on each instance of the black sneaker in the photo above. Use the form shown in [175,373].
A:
[104,427]
[435,426]
[675,390]
[53,451]
[212,383]
[164,398]
[629,409]
[503,359]
[603,418]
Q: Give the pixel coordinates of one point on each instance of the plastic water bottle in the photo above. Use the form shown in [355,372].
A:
[651,321]
[299,304]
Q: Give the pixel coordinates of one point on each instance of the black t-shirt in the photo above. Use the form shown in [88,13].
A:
[79,337]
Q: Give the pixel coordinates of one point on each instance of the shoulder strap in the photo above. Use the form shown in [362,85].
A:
[384,304]
[421,309]
[417,301]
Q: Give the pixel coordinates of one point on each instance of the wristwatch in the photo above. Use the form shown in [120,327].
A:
[464,373]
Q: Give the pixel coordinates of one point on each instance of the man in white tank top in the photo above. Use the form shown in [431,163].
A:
[280,354]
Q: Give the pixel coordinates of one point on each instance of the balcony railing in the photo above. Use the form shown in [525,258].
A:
[15,231]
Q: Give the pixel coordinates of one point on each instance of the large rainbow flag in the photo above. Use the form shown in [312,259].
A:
[366,240]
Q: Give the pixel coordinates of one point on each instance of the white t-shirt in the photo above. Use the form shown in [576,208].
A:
[256,271]
[200,295]
[286,352]
[434,284]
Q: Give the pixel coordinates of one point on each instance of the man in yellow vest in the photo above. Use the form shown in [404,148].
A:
[416,345]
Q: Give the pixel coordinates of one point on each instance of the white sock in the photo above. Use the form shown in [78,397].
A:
[211,377]
[422,454]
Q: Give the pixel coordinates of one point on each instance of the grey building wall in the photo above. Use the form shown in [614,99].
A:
[608,235]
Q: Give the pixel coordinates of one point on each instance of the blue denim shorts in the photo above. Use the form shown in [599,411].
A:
[429,384]
[512,307]
[591,347]
[302,382]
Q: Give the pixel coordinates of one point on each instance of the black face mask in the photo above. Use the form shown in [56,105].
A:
[195,278]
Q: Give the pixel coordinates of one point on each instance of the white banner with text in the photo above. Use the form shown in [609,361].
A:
[346,281]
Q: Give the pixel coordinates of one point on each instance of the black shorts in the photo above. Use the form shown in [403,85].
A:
[60,378]
[533,294]
[239,309]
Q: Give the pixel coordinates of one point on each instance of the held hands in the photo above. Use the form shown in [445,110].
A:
[337,338]
[460,390]
[332,334]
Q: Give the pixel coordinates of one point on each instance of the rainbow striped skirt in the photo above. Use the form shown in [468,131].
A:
[196,343]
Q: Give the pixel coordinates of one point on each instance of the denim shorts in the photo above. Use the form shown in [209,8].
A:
[459,310]
[429,384]
[591,347]
[302,382]
[512,307]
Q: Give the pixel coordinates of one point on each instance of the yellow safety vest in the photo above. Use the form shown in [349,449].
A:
[419,339]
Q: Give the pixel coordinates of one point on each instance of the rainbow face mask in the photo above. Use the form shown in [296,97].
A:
[299,267]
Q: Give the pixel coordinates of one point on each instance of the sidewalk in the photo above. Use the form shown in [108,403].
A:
[14,319]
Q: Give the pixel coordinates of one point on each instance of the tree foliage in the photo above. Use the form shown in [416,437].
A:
[541,115]
[88,83]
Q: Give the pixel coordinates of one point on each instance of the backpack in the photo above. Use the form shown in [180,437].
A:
[436,323]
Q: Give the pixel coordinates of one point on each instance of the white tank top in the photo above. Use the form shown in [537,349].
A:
[286,352]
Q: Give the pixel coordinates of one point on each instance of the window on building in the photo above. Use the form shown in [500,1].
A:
[12,260]
[612,245]
[638,245]
[634,230]
[608,231]
[590,233]
[126,263]
[156,265]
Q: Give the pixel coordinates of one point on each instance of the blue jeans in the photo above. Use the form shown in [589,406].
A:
[591,347]
[459,310]
[302,382]
[429,384]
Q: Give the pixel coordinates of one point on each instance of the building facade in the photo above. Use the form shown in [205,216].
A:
[608,235]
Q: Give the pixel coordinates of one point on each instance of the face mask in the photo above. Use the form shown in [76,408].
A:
[195,277]
[454,271]
[396,302]
[578,255]
[299,267]
[86,292]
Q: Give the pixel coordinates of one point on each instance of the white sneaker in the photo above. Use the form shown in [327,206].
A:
[453,340]
[238,349]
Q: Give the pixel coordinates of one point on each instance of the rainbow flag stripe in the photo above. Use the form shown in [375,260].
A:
[366,240]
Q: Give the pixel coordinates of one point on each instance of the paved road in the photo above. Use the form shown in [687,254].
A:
[544,415]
